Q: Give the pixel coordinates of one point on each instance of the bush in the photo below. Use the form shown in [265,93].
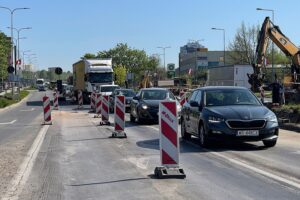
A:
[7,100]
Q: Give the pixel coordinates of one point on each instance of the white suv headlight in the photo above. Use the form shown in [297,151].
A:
[272,118]
[213,119]
[144,106]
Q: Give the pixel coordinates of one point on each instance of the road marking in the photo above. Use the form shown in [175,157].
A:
[32,109]
[153,127]
[19,180]
[296,152]
[5,123]
[257,170]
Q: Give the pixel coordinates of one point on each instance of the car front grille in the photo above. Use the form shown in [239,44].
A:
[246,124]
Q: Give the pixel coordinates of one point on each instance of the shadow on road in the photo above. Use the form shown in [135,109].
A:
[108,182]
[192,145]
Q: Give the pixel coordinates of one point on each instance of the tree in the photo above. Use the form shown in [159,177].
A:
[120,75]
[242,48]
[4,54]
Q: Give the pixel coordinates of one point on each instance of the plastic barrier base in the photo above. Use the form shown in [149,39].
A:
[104,123]
[121,134]
[47,123]
[165,172]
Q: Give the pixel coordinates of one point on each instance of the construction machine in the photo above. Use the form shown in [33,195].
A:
[271,32]
[145,82]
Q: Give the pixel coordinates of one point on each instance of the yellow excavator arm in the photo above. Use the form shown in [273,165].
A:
[271,32]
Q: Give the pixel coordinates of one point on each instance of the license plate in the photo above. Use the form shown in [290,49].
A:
[248,133]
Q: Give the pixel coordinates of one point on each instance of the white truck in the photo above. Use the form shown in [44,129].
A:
[90,74]
[231,75]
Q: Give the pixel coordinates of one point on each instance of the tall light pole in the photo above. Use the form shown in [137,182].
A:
[18,44]
[222,29]
[12,37]
[270,10]
[11,29]
[164,53]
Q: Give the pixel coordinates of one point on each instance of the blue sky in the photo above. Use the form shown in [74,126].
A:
[64,30]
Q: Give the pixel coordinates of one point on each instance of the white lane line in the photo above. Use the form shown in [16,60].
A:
[153,127]
[257,170]
[296,152]
[32,109]
[5,123]
[20,178]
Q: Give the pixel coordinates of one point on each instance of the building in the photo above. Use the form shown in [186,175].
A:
[196,57]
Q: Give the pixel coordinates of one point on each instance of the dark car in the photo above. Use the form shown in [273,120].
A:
[128,93]
[144,106]
[227,113]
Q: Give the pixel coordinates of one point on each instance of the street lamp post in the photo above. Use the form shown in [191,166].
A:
[270,10]
[222,29]
[164,53]
[18,44]
[12,37]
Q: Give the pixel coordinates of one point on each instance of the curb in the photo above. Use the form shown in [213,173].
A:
[290,127]
[16,104]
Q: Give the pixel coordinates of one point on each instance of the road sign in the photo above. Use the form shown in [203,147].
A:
[171,67]
[171,74]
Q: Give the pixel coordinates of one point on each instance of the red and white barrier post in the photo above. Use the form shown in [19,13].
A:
[105,110]
[47,110]
[169,142]
[119,117]
[55,100]
[183,98]
[98,105]
[80,99]
[92,100]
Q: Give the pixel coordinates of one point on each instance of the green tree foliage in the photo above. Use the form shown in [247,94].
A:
[133,60]
[4,53]
[120,75]
[89,55]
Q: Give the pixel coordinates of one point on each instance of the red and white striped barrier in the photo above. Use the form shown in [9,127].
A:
[98,105]
[47,110]
[92,100]
[105,110]
[169,142]
[262,94]
[80,99]
[183,98]
[119,117]
[55,100]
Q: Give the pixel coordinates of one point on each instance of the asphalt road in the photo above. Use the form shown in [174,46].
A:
[19,126]
[79,160]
